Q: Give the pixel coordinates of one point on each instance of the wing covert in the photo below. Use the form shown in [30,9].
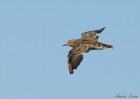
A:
[91,35]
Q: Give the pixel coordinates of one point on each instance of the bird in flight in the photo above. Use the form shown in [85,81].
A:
[88,42]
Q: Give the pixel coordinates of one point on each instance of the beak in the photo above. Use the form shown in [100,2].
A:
[64,45]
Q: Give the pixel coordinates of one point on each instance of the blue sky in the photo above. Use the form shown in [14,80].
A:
[33,62]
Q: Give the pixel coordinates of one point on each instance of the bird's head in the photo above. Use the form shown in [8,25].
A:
[71,43]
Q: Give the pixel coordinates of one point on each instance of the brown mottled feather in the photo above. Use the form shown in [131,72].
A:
[91,35]
[74,62]
[75,57]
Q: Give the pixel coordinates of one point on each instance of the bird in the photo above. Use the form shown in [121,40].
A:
[88,41]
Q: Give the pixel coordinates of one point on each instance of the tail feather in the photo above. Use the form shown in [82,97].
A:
[101,46]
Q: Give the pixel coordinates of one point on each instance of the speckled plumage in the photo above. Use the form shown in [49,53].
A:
[88,41]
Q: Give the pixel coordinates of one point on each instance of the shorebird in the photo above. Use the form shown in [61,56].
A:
[88,42]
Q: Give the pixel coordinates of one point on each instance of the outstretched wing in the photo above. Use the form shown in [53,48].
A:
[92,35]
[74,61]
[75,57]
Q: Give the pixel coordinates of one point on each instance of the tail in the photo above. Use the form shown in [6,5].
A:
[101,46]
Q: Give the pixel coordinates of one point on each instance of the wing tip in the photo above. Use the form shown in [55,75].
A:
[71,72]
[70,69]
[99,30]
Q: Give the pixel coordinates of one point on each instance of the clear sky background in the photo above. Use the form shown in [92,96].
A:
[33,62]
